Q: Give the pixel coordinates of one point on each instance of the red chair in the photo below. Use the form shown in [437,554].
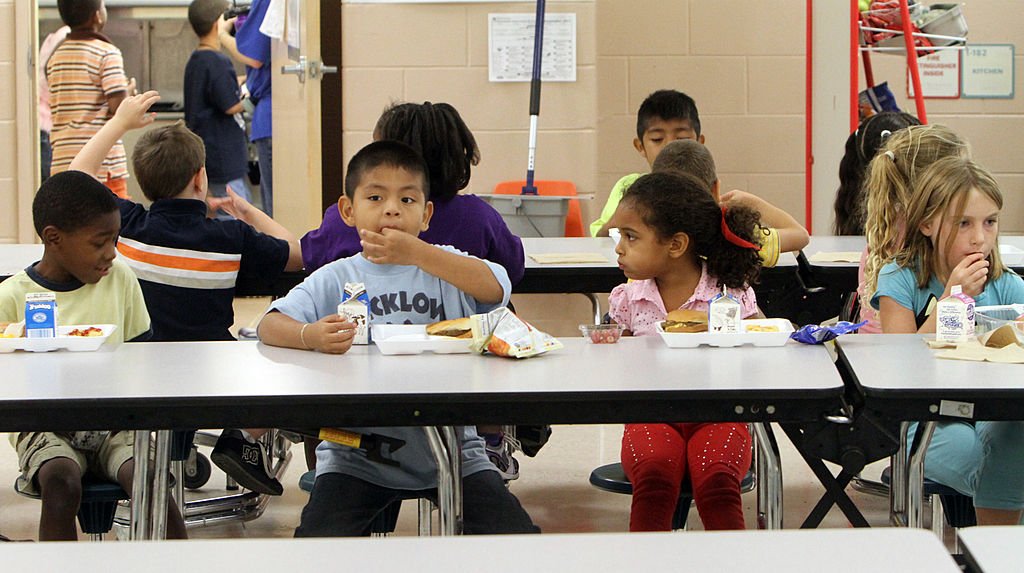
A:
[573,218]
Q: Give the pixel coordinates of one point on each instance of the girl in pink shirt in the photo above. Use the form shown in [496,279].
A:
[680,248]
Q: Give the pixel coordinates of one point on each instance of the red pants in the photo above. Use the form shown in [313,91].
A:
[656,457]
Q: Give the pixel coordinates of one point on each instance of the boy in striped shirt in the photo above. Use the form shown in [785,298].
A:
[87,83]
[188,263]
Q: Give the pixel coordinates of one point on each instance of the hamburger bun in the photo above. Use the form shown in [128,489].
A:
[454,328]
[683,320]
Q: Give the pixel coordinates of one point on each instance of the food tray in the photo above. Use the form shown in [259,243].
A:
[62,341]
[724,340]
[413,339]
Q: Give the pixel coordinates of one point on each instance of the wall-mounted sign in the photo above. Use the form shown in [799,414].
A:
[939,73]
[988,71]
[510,42]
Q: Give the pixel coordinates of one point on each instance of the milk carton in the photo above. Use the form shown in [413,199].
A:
[40,315]
[355,306]
[724,313]
[954,320]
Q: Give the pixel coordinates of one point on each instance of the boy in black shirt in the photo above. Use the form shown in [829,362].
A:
[213,106]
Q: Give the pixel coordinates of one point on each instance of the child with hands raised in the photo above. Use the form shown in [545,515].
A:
[680,248]
[952,238]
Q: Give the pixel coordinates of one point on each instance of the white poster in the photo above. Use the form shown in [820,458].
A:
[988,71]
[510,43]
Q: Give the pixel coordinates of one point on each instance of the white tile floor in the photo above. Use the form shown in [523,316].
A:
[553,487]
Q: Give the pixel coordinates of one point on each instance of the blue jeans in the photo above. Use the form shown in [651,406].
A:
[239,186]
[265,151]
[984,461]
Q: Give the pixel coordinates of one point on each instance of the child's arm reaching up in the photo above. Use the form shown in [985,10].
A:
[470,275]
[133,113]
[236,206]
[330,335]
[792,235]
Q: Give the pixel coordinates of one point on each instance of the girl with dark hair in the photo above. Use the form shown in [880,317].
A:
[465,222]
[681,248]
[861,146]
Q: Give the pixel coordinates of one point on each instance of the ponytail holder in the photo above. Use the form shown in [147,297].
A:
[885,134]
[734,238]
[890,155]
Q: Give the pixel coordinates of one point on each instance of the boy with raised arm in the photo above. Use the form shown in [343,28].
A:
[187,263]
[387,200]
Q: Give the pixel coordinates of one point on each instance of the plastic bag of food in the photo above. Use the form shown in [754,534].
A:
[814,334]
[502,333]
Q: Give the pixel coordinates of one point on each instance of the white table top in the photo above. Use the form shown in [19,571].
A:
[856,244]
[901,369]
[214,382]
[548,245]
[993,549]
[793,551]
[15,257]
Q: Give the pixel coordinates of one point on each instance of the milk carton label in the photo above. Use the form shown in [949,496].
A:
[355,306]
[40,315]
[724,313]
[954,321]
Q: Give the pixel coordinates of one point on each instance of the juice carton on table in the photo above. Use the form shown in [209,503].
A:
[954,321]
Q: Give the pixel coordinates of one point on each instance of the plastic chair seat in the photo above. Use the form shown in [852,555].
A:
[611,477]
[99,503]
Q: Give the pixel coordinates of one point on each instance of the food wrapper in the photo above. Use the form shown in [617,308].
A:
[355,306]
[814,334]
[502,333]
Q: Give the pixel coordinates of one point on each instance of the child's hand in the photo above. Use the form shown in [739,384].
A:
[133,113]
[331,335]
[234,205]
[224,26]
[390,247]
[741,198]
[970,274]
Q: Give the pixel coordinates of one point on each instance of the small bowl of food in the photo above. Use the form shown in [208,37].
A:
[990,318]
[602,333]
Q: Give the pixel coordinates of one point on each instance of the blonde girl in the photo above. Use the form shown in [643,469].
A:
[952,238]
[890,178]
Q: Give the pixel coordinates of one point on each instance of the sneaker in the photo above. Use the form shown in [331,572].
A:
[246,462]
[501,456]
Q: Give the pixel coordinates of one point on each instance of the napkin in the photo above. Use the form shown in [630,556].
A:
[835,257]
[569,258]
[975,351]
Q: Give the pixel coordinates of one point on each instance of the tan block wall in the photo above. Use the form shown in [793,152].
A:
[438,53]
[742,62]
[8,129]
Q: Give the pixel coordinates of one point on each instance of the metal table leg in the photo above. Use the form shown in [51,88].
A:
[161,466]
[140,488]
[769,474]
[445,499]
[914,483]
[455,462]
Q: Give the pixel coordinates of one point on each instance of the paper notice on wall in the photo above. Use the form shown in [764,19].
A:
[939,73]
[989,71]
[510,43]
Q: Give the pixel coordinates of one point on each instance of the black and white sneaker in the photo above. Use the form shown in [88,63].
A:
[246,462]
